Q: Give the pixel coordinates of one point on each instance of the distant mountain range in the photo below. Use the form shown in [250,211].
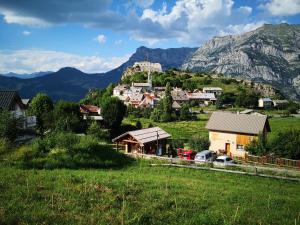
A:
[27,75]
[72,84]
[269,54]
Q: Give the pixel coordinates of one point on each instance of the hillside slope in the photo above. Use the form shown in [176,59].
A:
[269,54]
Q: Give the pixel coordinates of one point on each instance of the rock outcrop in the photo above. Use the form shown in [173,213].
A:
[269,54]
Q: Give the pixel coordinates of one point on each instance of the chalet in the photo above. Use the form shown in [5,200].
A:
[176,106]
[202,98]
[280,103]
[214,90]
[146,141]
[229,133]
[142,86]
[179,96]
[149,101]
[136,99]
[91,112]
[120,89]
[12,102]
[265,103]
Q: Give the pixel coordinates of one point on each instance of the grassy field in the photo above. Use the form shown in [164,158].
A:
[281,124]
[187,129]
[178,129]
[140,194]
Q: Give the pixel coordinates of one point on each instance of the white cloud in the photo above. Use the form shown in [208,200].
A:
[32,60]
[13,17]
[190,21]
[240,28]
[118,42]
[100,38]
[282,7]
[26,33]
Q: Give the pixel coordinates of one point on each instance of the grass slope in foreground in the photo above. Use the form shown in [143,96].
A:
[141,194]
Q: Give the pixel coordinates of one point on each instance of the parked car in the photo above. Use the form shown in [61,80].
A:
[186,154]
[223,160]
[205,156]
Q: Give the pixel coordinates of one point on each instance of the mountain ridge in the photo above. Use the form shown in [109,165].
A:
[269,54]
[72,84]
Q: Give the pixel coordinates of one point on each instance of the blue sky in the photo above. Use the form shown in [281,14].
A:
[99,35]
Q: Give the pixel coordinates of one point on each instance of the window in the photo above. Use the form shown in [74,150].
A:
[240,147]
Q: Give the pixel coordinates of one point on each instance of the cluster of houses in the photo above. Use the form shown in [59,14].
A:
[229,133]
[144,95]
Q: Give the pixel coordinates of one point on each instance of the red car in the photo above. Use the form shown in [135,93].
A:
[186,154]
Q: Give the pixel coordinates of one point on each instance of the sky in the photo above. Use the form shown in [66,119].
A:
[99,35]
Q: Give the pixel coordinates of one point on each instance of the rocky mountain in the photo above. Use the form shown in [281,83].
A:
[72,84]
[168,58]
[269,54]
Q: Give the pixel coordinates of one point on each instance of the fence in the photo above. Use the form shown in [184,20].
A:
[264,171]
[270,160]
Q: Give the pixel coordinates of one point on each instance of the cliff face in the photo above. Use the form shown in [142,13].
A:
[270,54]
[168,58]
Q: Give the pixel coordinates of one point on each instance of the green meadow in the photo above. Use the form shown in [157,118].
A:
[188,129]
[141,194]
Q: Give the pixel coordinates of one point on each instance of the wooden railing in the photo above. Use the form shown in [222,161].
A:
[270,160]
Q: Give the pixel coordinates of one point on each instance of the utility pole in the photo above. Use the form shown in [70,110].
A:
[157,142]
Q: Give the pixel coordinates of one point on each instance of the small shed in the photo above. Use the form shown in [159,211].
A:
[146,141]
[265,103]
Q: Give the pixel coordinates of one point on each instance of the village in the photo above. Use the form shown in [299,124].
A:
[229,133]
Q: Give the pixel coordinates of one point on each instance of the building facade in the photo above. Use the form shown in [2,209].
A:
[230,133]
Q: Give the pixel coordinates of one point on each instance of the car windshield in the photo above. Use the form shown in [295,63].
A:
[200,157]
[220,160]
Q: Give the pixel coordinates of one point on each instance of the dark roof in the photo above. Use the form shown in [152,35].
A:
[8,98]
[237,123]
[146,135]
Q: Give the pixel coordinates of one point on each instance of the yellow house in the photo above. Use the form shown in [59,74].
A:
[229,133]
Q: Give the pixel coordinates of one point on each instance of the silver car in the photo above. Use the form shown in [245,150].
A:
[206,156]
[223,160]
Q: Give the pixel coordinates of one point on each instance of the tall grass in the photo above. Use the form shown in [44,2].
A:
[140,194]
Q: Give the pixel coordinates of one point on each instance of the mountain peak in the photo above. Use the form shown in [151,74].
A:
[269,54]
[69,69]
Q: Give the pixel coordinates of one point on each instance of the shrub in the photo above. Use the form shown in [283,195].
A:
[4,145]
[257,146]
[62,150]
[96,131]
[8,125]
[178,143]
[199,143]
[287,144]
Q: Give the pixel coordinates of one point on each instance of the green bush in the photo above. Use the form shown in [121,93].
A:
[199,143]
[4,145]
[66,150]
[96,131]
[257,146]
[287,144]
